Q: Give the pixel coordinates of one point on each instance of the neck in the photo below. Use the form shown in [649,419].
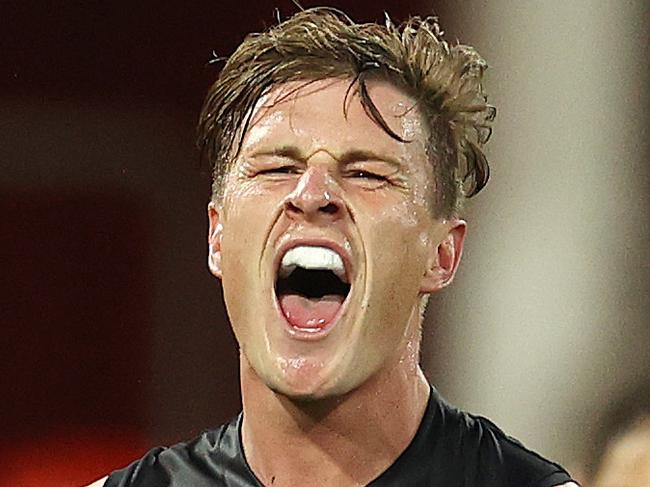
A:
[345,440]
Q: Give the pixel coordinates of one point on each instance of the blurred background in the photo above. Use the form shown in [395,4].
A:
[114,334]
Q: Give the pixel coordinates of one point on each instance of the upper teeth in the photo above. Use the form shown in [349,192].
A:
[310,257]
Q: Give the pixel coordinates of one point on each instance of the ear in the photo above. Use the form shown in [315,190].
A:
[215,233]
[444,258]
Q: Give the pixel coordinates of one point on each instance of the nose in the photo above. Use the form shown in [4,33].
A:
[316,198]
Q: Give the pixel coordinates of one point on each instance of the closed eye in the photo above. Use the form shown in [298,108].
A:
[279,170]
[367,175]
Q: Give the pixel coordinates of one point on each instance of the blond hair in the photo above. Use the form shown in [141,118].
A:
[320,43]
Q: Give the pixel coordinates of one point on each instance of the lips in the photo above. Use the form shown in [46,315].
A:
[312,286]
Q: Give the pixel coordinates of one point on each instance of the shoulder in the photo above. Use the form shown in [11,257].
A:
[522,466]
[492,454]
[197,462]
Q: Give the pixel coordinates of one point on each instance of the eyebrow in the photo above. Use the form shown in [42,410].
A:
[348,157]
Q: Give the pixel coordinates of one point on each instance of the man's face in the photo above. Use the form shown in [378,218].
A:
[324,239]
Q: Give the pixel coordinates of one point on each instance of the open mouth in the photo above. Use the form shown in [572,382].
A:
[311,287]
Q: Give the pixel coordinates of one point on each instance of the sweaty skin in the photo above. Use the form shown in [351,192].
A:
[317,409]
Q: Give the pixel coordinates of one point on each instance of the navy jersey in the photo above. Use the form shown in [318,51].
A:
[450,449]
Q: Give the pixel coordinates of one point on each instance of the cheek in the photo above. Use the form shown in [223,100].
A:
[244,233]
[400,221]
[241,193]
[249,205]
[395,238]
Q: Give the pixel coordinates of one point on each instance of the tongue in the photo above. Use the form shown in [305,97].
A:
[303,312]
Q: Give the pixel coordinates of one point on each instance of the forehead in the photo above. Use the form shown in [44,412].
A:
[329,114]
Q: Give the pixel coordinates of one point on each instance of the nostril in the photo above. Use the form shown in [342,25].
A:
[312,209]
[292,208]
[329,208]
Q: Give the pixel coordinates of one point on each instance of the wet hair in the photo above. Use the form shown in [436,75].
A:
[320,43]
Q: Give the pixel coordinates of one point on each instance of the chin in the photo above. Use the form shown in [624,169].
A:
[298,397]
[307,395]
[310,379]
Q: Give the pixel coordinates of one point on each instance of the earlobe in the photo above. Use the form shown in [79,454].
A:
[444,258]
[215,234]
